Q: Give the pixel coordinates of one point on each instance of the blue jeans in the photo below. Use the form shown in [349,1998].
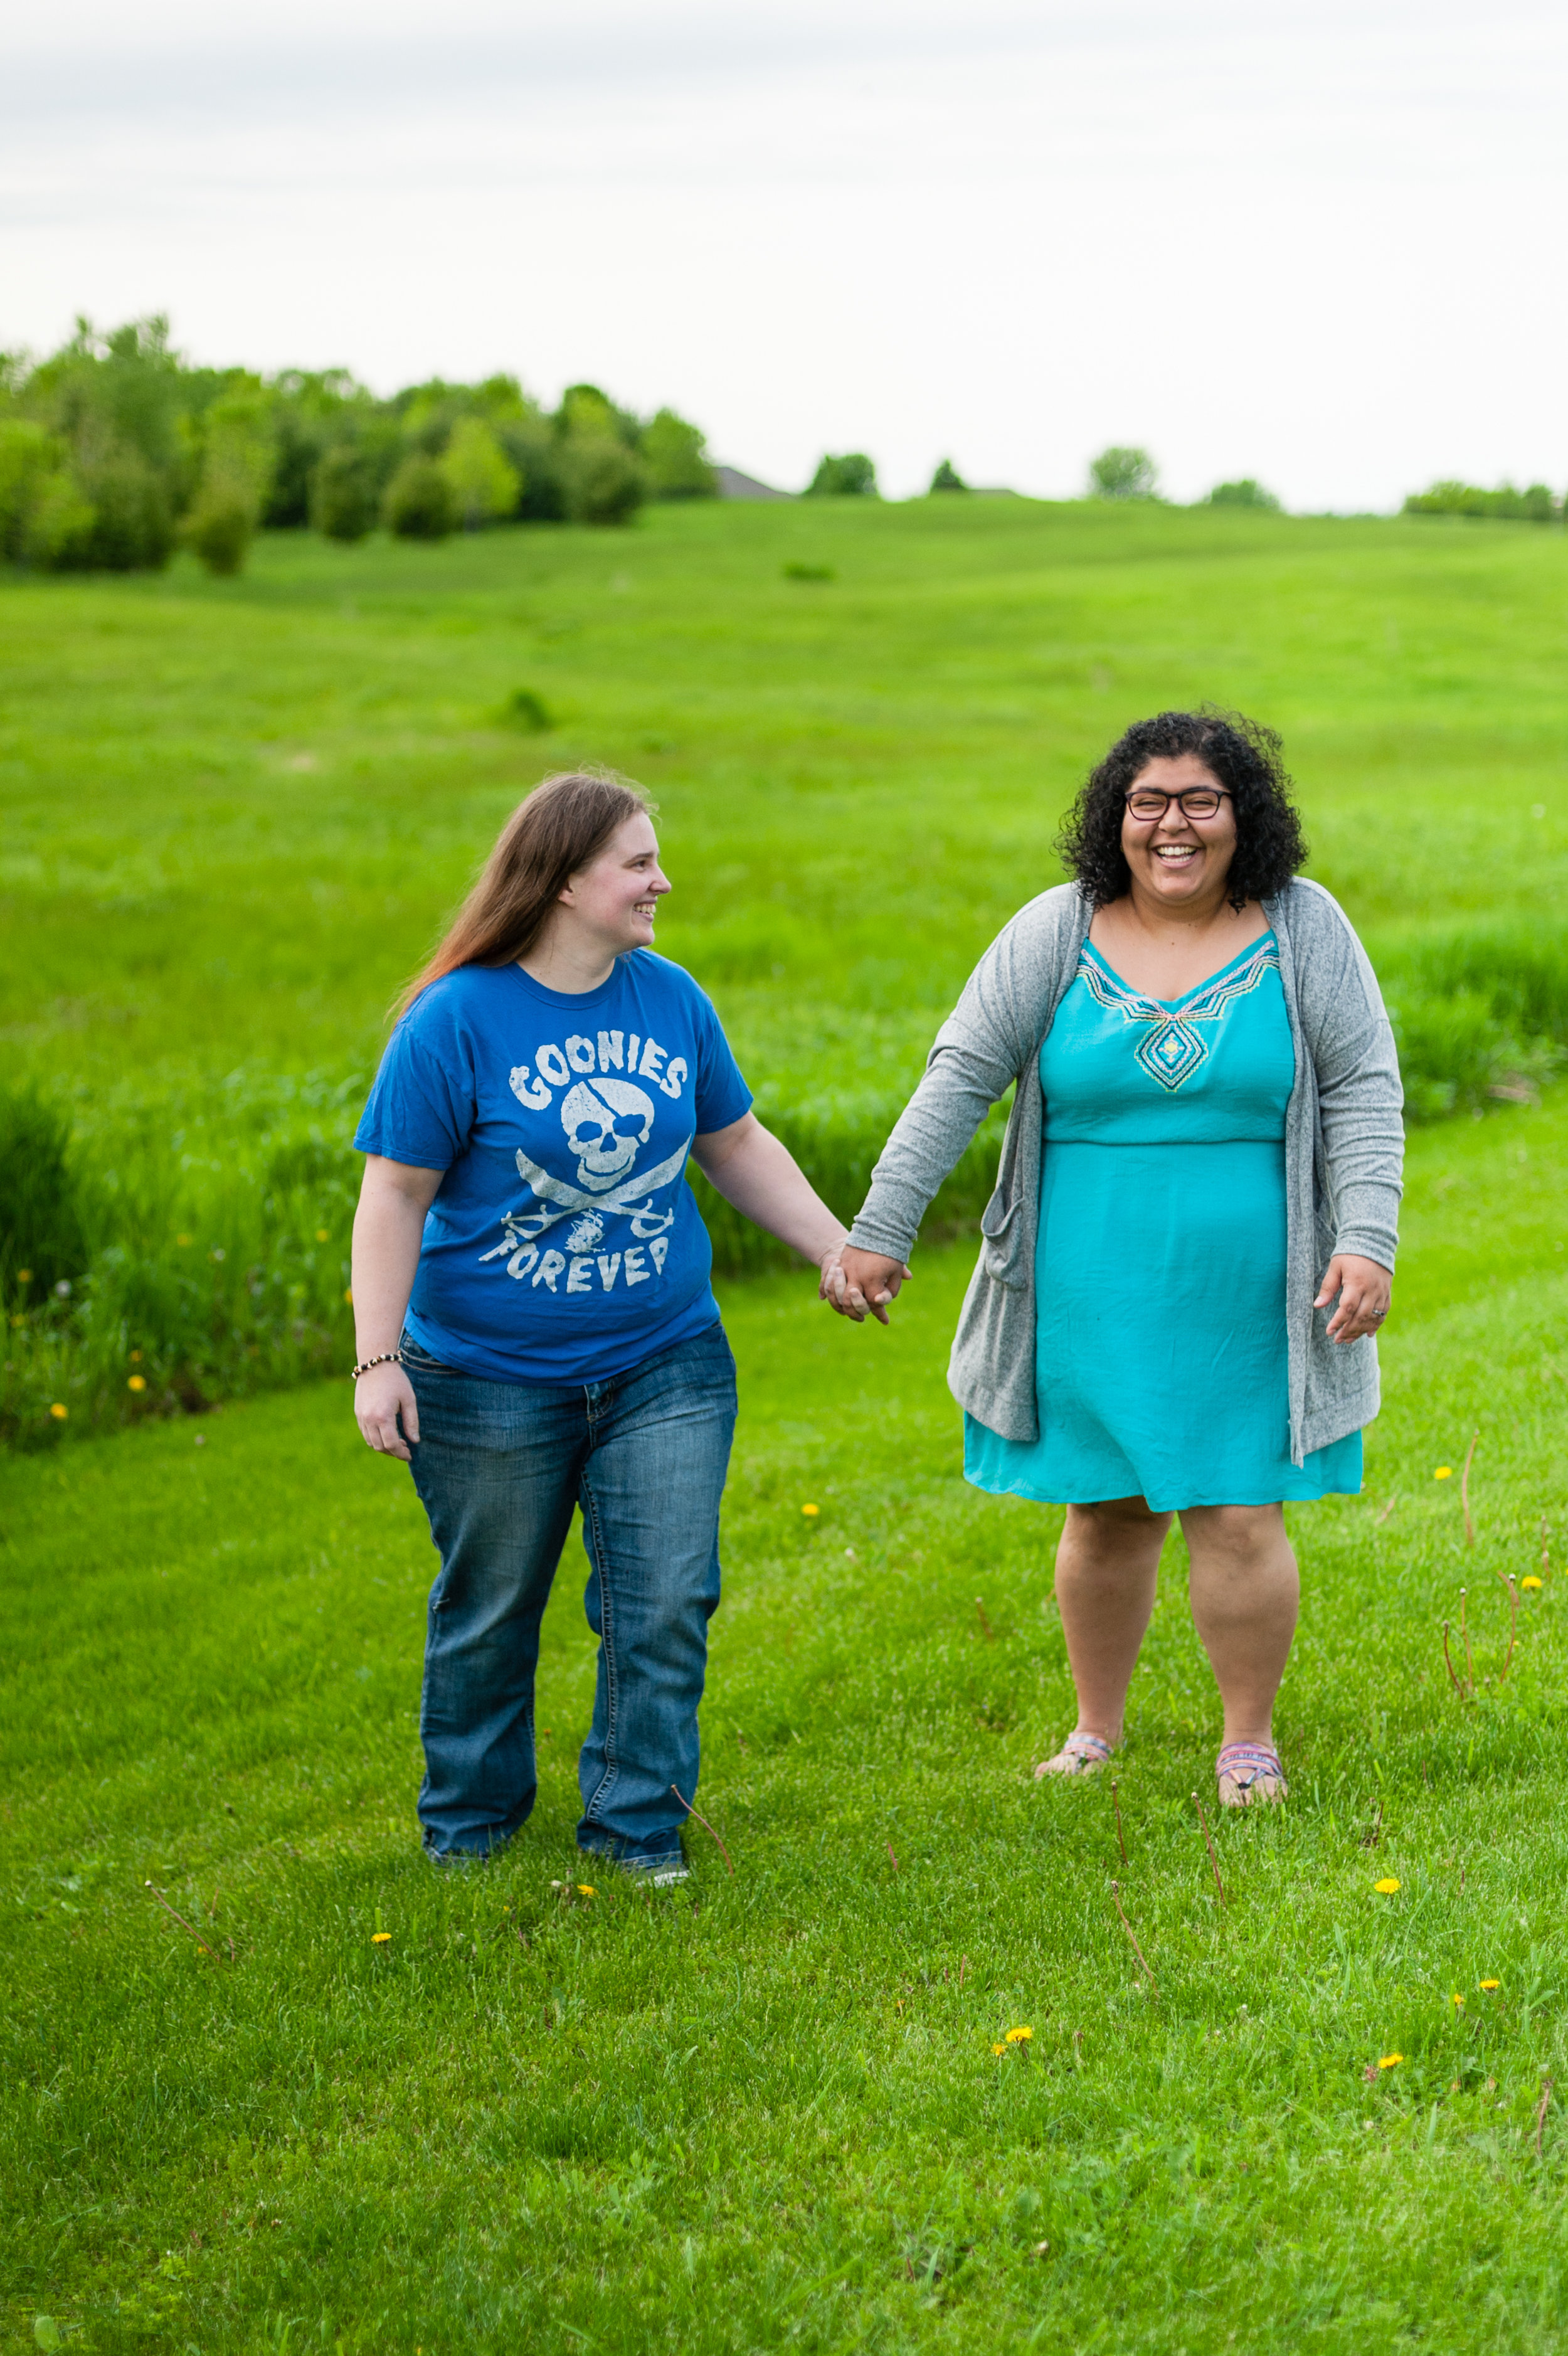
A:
[498,1467]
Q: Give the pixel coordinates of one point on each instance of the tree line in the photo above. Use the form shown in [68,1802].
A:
[113,451]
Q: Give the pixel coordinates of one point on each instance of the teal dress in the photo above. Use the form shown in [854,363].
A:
[1159,1271]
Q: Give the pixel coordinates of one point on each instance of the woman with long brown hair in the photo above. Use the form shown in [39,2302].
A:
[535,1326]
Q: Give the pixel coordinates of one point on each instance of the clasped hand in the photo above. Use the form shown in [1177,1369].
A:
[859,1284]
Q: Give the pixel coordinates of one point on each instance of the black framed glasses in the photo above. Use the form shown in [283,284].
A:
[1148,804]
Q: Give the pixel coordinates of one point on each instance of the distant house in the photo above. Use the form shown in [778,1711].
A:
[733,485]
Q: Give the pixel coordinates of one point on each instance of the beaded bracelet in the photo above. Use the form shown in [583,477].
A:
[386,1358]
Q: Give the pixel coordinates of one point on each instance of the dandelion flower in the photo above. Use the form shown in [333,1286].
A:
[1389,2060]
[812,1511]
[59,1412]
[1490,1984]
[998,2048]
[1458,2000]
[380,1938]
[585,1889]
[1020,2036]
[1388,1885]
[1444,1472]
[348,1295]
[321,1235]
[136,1383]
[1531,1582]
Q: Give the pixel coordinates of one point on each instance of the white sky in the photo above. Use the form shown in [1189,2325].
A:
[1316,240]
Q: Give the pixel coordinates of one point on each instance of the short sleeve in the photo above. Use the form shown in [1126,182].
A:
[422,1110]
[721,1095]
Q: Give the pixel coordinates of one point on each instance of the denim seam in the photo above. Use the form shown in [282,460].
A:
[606,1784]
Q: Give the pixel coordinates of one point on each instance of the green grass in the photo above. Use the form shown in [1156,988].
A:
[238,811]
[765,2111]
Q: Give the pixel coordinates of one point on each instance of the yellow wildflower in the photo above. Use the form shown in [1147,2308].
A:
[1458,2000]
[59,1412]
[1388,1885]
[998,2048]
[1531,1582]
[811,1510]
[136,1383]
[585,1889]
[1020,2036]
[24,1275]
[1490,1984]
[348,1295]
[1389,2060]
[1444,1472]
[380,1938]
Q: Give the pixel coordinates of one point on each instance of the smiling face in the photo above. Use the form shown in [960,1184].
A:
[1176,861]
[612,899]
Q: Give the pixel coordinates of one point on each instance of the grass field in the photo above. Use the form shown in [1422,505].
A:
[766,2112]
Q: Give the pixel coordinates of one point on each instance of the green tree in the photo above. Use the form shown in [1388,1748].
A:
[485,483]
[1244,493]
[604,482]
[1122,472]
[343,500]
[420,504]
[237,455]
[853,476]
[676,455]
[948,479]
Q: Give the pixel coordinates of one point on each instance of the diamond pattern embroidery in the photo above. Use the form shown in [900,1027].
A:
[1172,1054]
[1172,1048]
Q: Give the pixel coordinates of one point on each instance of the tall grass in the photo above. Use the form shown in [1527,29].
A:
[172,1263]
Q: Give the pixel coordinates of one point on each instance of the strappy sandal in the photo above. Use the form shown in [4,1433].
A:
[1239,1770]
[1081,1754]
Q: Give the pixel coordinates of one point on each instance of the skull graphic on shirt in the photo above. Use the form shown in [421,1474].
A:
[607,1121]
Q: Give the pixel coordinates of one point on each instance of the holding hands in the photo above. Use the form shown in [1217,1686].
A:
[860,1283]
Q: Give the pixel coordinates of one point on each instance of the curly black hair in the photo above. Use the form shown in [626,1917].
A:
[1243,756]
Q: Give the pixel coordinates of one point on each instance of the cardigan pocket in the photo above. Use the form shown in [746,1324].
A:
[999,1227]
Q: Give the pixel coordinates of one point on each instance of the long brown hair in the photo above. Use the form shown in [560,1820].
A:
[563,825]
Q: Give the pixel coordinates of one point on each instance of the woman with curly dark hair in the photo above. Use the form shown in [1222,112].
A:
[1188,1252]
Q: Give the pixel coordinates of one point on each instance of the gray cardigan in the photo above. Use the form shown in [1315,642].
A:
[1344,1144]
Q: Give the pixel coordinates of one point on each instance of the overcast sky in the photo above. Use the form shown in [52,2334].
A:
[1318,243]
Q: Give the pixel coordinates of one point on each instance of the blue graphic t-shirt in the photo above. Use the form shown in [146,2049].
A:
[564,1245]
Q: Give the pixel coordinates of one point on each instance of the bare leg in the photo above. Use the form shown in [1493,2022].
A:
[1106,1567]
[1245,1593]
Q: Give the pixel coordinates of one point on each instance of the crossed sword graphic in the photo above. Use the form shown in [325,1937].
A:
[527,1226]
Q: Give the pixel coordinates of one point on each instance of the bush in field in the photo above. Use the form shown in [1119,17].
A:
[676,455]
[948,479]
[1246,492]
[485,484]
[420,503]
[221,529]
[852,476]
[604,482]
[343,503]
[1504,505]
[1123,472]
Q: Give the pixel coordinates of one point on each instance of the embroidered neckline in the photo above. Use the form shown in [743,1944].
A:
[1172,1048]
